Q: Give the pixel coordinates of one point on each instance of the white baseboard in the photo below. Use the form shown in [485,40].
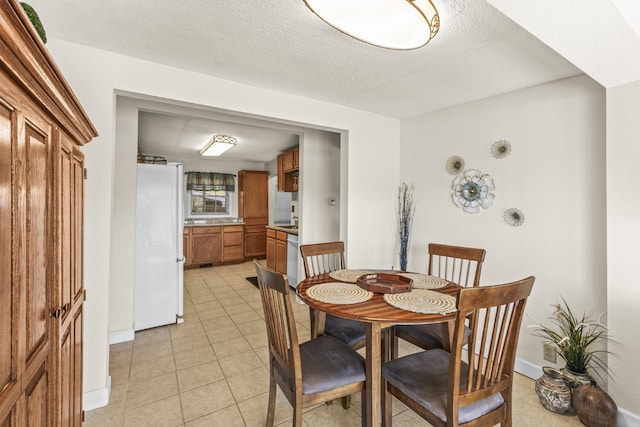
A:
[124,335]
[97,398]
[628,419]
[528,369]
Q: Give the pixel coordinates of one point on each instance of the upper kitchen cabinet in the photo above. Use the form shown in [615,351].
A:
[253,207]
[290,160]
[42,128]
[288,170]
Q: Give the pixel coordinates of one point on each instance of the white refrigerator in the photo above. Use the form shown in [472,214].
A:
[159,259]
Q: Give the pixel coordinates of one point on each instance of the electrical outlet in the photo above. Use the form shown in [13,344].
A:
[549,352]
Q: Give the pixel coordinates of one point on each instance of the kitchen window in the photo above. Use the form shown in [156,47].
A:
[210,193]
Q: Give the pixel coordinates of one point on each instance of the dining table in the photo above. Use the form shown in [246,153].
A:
[377,315]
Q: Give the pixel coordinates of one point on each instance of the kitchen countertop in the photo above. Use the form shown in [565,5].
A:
[290,229]
[212,222]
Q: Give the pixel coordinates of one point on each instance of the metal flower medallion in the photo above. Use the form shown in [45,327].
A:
[473,190]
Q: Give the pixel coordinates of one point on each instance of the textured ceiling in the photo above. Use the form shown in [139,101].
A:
[477,53]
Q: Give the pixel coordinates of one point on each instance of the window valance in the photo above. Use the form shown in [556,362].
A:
[210,181]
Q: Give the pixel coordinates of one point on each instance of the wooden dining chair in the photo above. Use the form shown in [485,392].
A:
[453,263]
[320,258]
[472,384]
[316,371]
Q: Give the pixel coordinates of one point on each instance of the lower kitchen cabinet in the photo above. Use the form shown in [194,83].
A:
[213,244]
[277,251]
[232,243]
[255,241]
[206,245]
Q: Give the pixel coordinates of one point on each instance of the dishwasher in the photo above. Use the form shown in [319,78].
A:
[292,260]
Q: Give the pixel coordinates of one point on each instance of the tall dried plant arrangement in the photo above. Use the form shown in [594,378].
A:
[406,209]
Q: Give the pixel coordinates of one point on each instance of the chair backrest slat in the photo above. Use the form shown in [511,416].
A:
[320,258]
[456,263]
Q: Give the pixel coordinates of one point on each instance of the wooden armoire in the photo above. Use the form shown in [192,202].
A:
[42,127]
[253,207]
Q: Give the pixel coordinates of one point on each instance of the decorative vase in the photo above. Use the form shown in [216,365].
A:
[594,407]
[575,379]
[552,391]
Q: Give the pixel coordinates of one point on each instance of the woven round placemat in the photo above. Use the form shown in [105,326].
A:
[338,293]
[424,281]
[422,301]
[350,276]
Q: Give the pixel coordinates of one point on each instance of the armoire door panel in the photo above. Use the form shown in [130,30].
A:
[36,154]
[77,367]
[66,226]
[78,227]
[64,377]
[8,311]
[37,398]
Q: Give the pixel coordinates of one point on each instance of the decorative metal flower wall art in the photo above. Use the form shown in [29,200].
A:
[455,165]
[514,217]
[501,149]
[473,190]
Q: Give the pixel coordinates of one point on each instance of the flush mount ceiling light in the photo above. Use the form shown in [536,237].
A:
[217,145]
[393,24]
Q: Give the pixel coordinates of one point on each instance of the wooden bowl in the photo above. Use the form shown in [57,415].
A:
[384,283]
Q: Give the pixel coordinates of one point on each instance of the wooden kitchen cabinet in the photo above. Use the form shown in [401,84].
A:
[281,252]
[232,243]
[271,249]
[288,170]
[42,127]
[186,247]
[277,250]
[290,160]
[253,207]
[206,245]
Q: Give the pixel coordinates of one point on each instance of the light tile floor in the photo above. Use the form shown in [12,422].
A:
[212,369]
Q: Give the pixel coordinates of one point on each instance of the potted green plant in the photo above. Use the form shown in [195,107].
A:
[576,341]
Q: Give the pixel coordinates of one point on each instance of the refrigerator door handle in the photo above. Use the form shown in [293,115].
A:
[180,259]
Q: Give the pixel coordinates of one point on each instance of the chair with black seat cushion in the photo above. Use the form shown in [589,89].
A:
[321,258]
[447,389]
[316,371]
[456,264]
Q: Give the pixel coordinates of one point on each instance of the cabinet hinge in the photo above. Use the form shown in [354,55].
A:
[84,295]
[85,173]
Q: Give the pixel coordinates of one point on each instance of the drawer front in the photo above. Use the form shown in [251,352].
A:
[233,228]
[232,239]
[232,253]
[206,230]
[271,233]
[281,235]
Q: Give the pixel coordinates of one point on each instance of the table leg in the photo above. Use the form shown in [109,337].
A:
[374,362]
[447,334]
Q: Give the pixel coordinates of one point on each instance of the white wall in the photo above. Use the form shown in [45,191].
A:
[122,266]
[95,75]
[319,181]
[623,237]
[555,175]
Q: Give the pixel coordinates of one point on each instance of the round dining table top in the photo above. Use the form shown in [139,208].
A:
[374,310]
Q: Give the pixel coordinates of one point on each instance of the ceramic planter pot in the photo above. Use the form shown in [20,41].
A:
[594,407]
[552,391]
[575,379]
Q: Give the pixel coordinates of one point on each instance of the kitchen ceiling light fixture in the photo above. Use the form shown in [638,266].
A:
[392,24]
[217,145]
